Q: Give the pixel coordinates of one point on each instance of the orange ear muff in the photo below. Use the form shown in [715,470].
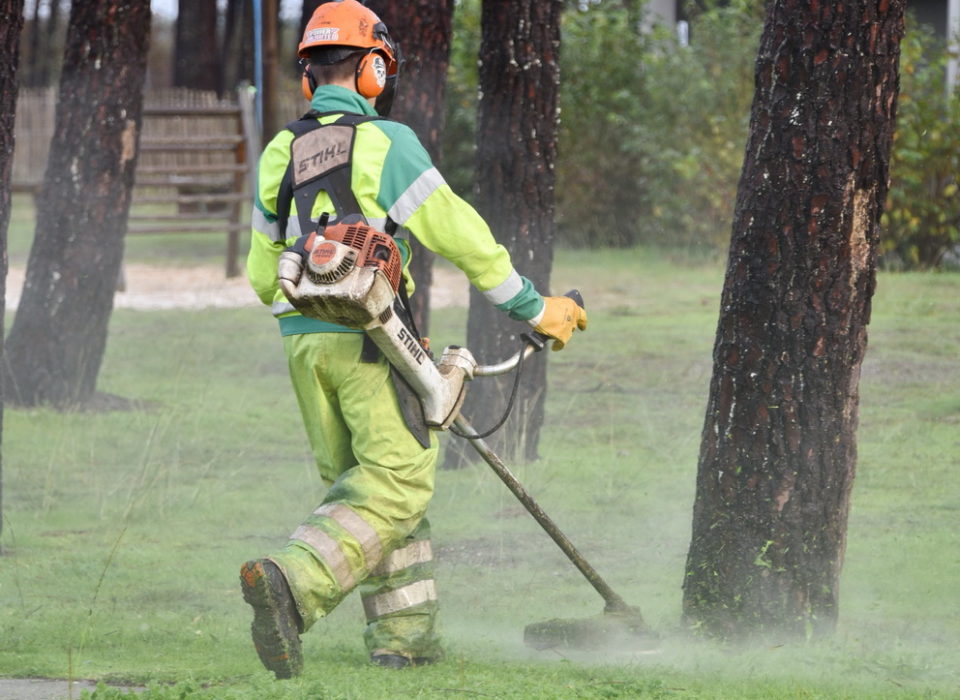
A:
[308,84]
[371,74]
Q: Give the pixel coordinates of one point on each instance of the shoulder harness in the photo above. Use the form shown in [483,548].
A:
[321,156]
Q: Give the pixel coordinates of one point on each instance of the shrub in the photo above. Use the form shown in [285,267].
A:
[922,214]
[652,132]
[602,158]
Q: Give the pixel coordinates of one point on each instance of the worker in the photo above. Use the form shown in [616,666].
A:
[370,531]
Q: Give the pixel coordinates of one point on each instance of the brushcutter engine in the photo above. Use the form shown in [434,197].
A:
[350,274]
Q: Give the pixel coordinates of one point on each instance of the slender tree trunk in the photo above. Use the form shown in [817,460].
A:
[50,46]
[236,56]
[516,153]
[11,24]
[778,450]
[58,336]
[195,63]
[272,120]
[32,61]
[423,28]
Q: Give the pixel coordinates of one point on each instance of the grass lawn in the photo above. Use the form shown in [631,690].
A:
[123,532]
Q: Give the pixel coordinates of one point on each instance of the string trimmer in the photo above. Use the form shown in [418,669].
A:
[350,274]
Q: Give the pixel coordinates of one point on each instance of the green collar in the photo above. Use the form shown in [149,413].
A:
[333,98]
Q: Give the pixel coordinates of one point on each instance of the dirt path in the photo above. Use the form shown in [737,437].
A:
[151,287]
[44,689]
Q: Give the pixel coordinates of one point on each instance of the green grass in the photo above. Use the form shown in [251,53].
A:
[123,532]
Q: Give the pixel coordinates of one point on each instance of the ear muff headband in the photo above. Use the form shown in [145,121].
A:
[371,75]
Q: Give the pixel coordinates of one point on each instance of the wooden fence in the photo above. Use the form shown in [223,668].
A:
[195,167]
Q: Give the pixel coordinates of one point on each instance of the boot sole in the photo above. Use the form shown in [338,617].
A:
[274,628]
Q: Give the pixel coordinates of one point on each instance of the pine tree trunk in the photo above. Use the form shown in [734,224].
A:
[11,24]
[423,28]
[58,336]
[516,152]
[778,450]
[273,120]
[195,63]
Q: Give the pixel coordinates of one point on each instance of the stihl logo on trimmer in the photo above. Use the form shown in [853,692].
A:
[411,344]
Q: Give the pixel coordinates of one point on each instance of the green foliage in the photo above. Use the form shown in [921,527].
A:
[602,166]
[922,212]
[696,103]
[652,133]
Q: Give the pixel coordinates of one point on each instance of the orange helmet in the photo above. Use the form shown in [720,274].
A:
[348,25]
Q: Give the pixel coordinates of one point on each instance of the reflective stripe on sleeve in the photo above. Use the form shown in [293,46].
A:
[293,228]
[415,195]
[417,552]
[381,604]
[358,528]
[328,550]
[261,224]
[281,307]
[506,290]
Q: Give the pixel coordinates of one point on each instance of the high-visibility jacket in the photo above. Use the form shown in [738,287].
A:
[392,179]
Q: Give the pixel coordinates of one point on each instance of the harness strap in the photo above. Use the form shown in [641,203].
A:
[336,183]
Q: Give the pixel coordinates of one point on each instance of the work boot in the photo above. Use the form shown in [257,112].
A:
[388,659]
[395,661]
[276,622]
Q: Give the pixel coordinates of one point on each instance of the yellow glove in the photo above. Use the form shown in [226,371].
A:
[559,317]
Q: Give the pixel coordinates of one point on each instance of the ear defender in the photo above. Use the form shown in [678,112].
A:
[307,82]
[371,74]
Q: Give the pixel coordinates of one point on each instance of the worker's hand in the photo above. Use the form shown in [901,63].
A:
[560,316]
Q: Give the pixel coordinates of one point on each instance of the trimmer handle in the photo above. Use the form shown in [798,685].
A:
[539,340]
[576,296]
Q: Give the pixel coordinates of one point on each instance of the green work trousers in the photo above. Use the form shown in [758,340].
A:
[370,530]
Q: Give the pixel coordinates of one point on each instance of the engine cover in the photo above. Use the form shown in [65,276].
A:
[348,276]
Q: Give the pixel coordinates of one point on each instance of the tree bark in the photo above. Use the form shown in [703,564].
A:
[423,28]
[195,63]
[778,450]
[516,152]
[11,24]
[58,336]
